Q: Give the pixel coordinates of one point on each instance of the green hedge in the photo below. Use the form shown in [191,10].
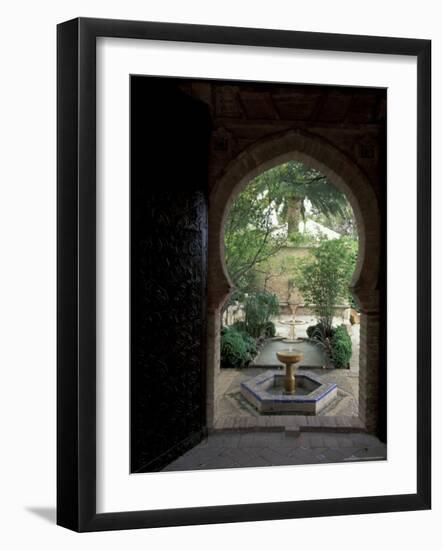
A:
[237,348]
[340,347]
[338,343]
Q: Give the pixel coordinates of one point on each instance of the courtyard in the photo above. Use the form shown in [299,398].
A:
[232,405]
[233,409]
[244,438]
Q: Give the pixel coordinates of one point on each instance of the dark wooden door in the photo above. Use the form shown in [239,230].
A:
[169,158]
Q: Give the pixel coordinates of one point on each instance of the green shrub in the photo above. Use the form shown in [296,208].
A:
[237,348]
[341,348]
[250,344]
[239,326]
[336,342]
[319,332]
[258,308]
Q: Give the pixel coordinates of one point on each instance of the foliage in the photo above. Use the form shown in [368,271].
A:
[239,326]
[250,344]
[344,225]
[270,329]
[323,278]
[237,348]
[316,332]
[336,342]
[250,234]
[300,184]
[341,348]
[258,308]
[265,216]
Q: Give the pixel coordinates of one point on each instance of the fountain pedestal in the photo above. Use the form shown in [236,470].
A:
[290,358]
[292,323]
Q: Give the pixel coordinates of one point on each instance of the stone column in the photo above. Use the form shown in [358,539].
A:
[371,375]
[213,363]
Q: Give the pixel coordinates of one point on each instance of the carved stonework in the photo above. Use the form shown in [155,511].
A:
[227,104]
[222,143]
[367,149]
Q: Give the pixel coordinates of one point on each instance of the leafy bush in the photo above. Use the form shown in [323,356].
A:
[239,326]
[250,344]
[340,347]
[336,342]
[237,348]
[258,308]
[315,331]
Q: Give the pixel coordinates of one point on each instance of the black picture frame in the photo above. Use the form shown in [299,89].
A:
[76,273]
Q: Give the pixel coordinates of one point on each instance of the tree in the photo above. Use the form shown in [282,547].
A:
[324,278]
[343,225]
[258,308]
[300,184]
[265,216]
[251,232]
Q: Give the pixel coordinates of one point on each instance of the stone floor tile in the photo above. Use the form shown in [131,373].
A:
[252,449]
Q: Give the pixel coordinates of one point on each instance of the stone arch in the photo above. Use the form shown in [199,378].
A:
[318,153]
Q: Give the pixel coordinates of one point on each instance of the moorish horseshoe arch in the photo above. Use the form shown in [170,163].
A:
[318,153]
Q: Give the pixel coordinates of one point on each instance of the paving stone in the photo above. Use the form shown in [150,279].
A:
[204,454]
[369,453]
[316,440]
[224,440]
[302,456]
[331,442]
[260,439]
[253,449]
[244,457]
[343,422]
[335,455]
[346,442]
[221,462]
[327,421]
[292,432]
[365,440]
[275,457]
[311,422]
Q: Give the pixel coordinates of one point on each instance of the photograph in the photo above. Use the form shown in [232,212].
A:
[243,269]
[257,274]
[220,252]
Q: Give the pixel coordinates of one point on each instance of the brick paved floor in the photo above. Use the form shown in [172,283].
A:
[250,449]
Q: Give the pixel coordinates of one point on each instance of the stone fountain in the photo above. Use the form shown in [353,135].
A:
[290,358]
[292,323]
[293,392]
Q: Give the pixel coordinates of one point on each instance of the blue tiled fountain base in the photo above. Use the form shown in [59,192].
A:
[260,392]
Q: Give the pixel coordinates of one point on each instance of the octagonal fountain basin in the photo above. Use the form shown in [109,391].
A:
[266,393]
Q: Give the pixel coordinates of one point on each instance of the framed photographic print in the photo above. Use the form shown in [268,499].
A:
[243,274]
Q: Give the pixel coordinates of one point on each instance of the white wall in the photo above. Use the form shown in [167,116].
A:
[27,272]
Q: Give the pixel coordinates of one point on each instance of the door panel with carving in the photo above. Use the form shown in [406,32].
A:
[169,157]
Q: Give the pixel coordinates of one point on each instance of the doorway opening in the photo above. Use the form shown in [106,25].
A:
[318,158]
[290,250]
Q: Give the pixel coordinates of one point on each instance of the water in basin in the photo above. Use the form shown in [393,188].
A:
[303,386]
[279,390]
